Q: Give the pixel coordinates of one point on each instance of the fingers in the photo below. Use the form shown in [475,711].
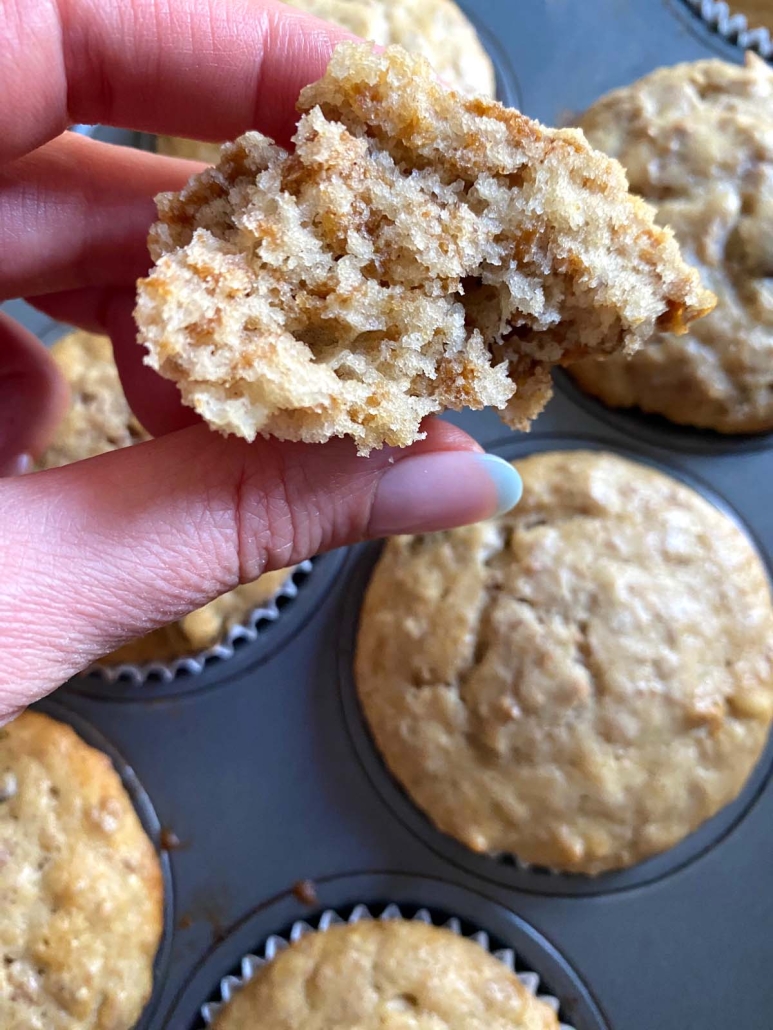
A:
[76,213]
[112,547]
[203,68]
[33,396]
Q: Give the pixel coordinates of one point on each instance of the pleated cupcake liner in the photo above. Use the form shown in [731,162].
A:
[248,630]
[252,963]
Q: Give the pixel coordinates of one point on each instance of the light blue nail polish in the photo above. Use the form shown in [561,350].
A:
[506,480]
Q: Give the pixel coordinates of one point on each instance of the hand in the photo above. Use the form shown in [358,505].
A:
[104,550]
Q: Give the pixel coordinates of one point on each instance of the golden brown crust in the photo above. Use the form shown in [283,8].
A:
[100,420]
[372,975]
[81,890]
[696,142]
[418,251]
[580,682]
[759,13]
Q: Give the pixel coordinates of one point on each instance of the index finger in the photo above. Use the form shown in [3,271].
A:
[204,68]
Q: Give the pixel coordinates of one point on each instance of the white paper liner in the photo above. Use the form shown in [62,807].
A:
[250,964]
[733,27]
[249,629]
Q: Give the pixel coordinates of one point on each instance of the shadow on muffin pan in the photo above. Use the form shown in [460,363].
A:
[658,431]
[351,898]
[246,645]
[152,827]
[507,870]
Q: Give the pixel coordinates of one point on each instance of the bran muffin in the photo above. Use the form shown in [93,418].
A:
[580,682]
[99,420]
[81,890]
[374,974]
[419,250]
[697,142]
[438,29]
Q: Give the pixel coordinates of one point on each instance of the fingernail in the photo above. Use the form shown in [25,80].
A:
[441,490]
[16,466]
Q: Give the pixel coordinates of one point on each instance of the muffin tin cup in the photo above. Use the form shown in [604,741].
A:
[246,631]
[152,827]
[504,868]
[275,944]
[732,27]
[283,920]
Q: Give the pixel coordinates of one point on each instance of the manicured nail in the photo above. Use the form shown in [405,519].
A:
[441,490]
[16,466]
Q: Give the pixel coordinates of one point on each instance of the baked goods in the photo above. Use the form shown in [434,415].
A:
[697,141]
[418,251]
[438,29]
[81,891]
[580,682]
[99,420]
[376,974]
[203,628]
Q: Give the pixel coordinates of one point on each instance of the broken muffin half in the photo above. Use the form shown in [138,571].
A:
[419,250]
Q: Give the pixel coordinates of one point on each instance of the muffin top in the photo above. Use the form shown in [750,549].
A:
[580,682]
[697,142]
[81,891]
[419,250]
[376,974]
[99,418]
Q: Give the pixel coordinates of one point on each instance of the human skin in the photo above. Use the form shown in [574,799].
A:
[102,551]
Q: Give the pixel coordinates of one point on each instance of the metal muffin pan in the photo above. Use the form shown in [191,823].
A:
[261,776]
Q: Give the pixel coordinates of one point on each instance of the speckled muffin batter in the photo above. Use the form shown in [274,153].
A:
[81,892]
[100,420]
[374,975]
[580,682]
[418,251]
[697,141]
[438,29]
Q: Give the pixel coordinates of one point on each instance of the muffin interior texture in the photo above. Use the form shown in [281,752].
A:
[418,251]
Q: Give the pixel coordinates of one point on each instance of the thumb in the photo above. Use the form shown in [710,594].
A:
[99,552]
